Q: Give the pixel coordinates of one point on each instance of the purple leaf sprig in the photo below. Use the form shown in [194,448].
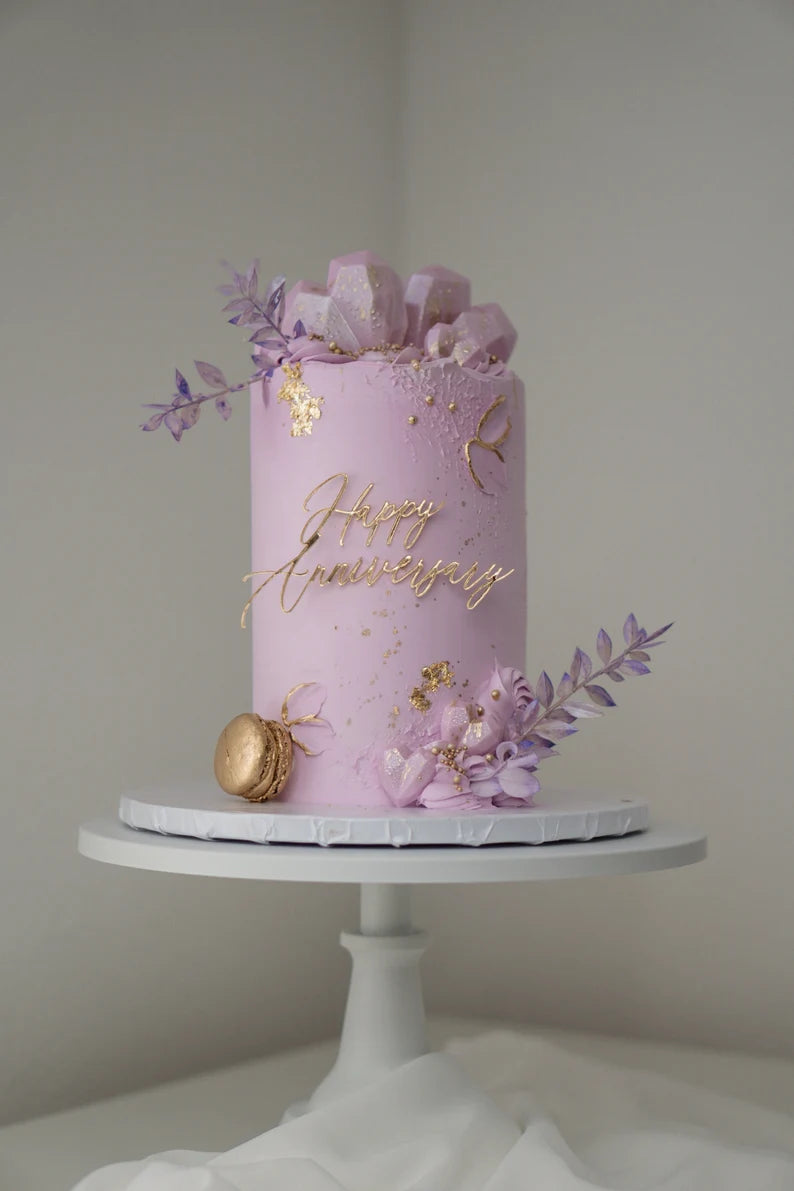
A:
[553,712]
[260,313]
[183,411]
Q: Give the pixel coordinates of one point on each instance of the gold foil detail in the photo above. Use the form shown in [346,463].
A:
[304,407]
[437,674]
[433,676]
[479,441]
[289,724]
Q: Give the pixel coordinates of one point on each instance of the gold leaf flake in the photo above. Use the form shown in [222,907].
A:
[304,406]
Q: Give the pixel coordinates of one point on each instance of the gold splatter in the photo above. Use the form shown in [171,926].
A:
[419,700]
[366,632]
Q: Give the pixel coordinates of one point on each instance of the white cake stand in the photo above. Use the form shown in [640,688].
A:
[384,1023]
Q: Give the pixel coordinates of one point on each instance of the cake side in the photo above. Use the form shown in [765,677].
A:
[388,540]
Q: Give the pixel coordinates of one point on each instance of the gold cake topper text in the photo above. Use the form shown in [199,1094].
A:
[405,522]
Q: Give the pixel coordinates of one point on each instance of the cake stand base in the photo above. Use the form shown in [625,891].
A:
[384,1024]
[202,811]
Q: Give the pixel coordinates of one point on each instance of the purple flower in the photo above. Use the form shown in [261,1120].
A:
[445,793]
[507,776]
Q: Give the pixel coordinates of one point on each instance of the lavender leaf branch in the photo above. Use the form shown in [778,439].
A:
[262,313]
[553,713]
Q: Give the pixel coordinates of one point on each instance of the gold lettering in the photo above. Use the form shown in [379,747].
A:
[410,515]
[326,513]
[479,441]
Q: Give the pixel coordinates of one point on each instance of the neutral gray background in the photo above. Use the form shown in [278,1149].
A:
[620,176]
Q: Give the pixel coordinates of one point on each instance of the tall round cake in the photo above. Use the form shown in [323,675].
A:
[389,555]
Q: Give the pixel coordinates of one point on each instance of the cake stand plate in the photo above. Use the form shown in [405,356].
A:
[202,811]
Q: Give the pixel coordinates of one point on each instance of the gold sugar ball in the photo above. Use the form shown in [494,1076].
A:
[253,757]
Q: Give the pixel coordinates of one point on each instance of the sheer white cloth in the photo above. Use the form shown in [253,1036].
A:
[502,1112]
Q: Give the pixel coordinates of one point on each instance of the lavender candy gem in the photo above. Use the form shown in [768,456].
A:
[369,295]
[434,295]
[312,305]
[483,329]
[439,341]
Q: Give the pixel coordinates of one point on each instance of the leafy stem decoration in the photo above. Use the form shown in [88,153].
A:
[261,313]
[552,713]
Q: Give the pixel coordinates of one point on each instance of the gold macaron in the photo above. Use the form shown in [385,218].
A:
[253,757]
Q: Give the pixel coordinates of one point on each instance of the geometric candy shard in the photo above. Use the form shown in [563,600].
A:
[483,329]
[368,295]
[320,315]
[439,341]
[434,295]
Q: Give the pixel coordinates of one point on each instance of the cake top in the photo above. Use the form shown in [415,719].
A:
[363,312]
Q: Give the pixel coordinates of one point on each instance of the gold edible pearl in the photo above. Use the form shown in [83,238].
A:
[430,399]
[412,420]
[415,365]
[452,406]
[496,694]
[489,756]
[480,711]
[332,345]
[435,750]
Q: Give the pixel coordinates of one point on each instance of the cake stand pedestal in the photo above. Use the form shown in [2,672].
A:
[384,1024]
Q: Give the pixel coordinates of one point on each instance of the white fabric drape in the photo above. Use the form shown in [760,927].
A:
[503,1112]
